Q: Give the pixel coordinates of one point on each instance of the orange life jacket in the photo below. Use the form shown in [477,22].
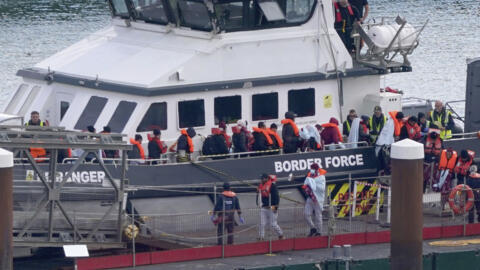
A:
[264,189]
[413,131]
[433,147]
[38,152]
[277,137]
[265,133]
[398,124]
[462,167]
[189,140]
[338,14]
[139,146]
[320,172]
[340,137]
[447,163]
[294,126]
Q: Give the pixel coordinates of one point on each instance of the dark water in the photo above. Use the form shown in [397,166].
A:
[31,30]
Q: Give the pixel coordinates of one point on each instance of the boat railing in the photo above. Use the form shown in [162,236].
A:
[278,151]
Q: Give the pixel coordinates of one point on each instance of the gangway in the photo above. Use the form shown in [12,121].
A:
[68,210]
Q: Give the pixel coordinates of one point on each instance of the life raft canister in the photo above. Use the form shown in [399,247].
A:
[458,208]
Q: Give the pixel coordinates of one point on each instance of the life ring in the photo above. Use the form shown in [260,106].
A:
[457,208]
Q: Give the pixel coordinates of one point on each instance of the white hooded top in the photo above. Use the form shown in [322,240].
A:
[317,185]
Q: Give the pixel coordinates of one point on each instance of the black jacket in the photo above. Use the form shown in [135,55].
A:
[275,198]
[290,140]
[182,143]
[154,150]
[232,204]
[239,141]
[261,142]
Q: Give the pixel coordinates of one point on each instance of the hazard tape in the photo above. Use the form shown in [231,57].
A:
[373,185]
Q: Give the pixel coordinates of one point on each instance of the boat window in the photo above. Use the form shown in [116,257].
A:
[228,109]
[150,11]
[64,105]
[121,115]
[298,11]
[191,113]
[264,106]
[194,14]
[22,89]
[119,8]
[230,15]
[302,102]
[28,102]
[271,9]
[155,118]
[91,112]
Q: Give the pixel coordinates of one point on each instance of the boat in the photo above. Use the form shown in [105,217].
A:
[174,65]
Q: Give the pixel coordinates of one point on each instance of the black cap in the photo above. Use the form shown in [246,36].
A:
[138,137]
[191,132]
[399,115]
[156,132]
[107,129]
[290,115]
[91,129]
[273,125]
[264,176]
[226,186]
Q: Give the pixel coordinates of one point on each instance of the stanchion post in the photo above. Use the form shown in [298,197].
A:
[6,204]
[379,194]
[407,219]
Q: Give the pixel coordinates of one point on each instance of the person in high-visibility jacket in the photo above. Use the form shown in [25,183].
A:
[376,123]
[442,119]
[37,152]
[347,124]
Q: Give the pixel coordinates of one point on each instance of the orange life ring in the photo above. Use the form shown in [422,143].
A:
[459,209]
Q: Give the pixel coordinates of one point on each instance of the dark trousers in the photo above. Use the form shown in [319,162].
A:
[475,208]
[229,227]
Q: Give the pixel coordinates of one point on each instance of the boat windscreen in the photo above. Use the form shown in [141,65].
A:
[271,10]
[150,11]
[194,14]
[119,8]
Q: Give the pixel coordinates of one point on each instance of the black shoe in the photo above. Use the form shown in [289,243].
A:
[313,231]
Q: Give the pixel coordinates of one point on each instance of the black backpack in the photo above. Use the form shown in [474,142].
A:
[208,147]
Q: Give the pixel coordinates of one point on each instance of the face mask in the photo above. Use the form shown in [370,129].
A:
[312,171]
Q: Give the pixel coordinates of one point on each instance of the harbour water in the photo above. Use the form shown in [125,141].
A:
[31,30]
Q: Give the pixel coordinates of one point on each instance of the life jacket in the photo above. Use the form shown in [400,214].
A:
[277,137]
[340,137]
[338,14]
[264,189]
[348,126]
[447,163]
[377,128]
[139,146]
[462,167]
[265,133]
[38,153]
[320,172]
[41,123]
[294,126]
[413,131]
[155,139]
[229,201]
[441,121]
[189,140]
[433,147]
[364,126]
[398,124]
[228,140]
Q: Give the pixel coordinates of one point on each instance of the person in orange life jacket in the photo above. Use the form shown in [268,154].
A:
[364,132]
[262,140]
[137,151]
[270,200]
[463,164]
[445,174]
[314,187]
[345,16]
[224,212]
[411,130]
[331,135]
[156,147]
[184,145]
[347,124]
[215,144]
[223,128]
[433,146]
[277,141]
[422,123]
[473,181]
[290,133]
[398,123]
